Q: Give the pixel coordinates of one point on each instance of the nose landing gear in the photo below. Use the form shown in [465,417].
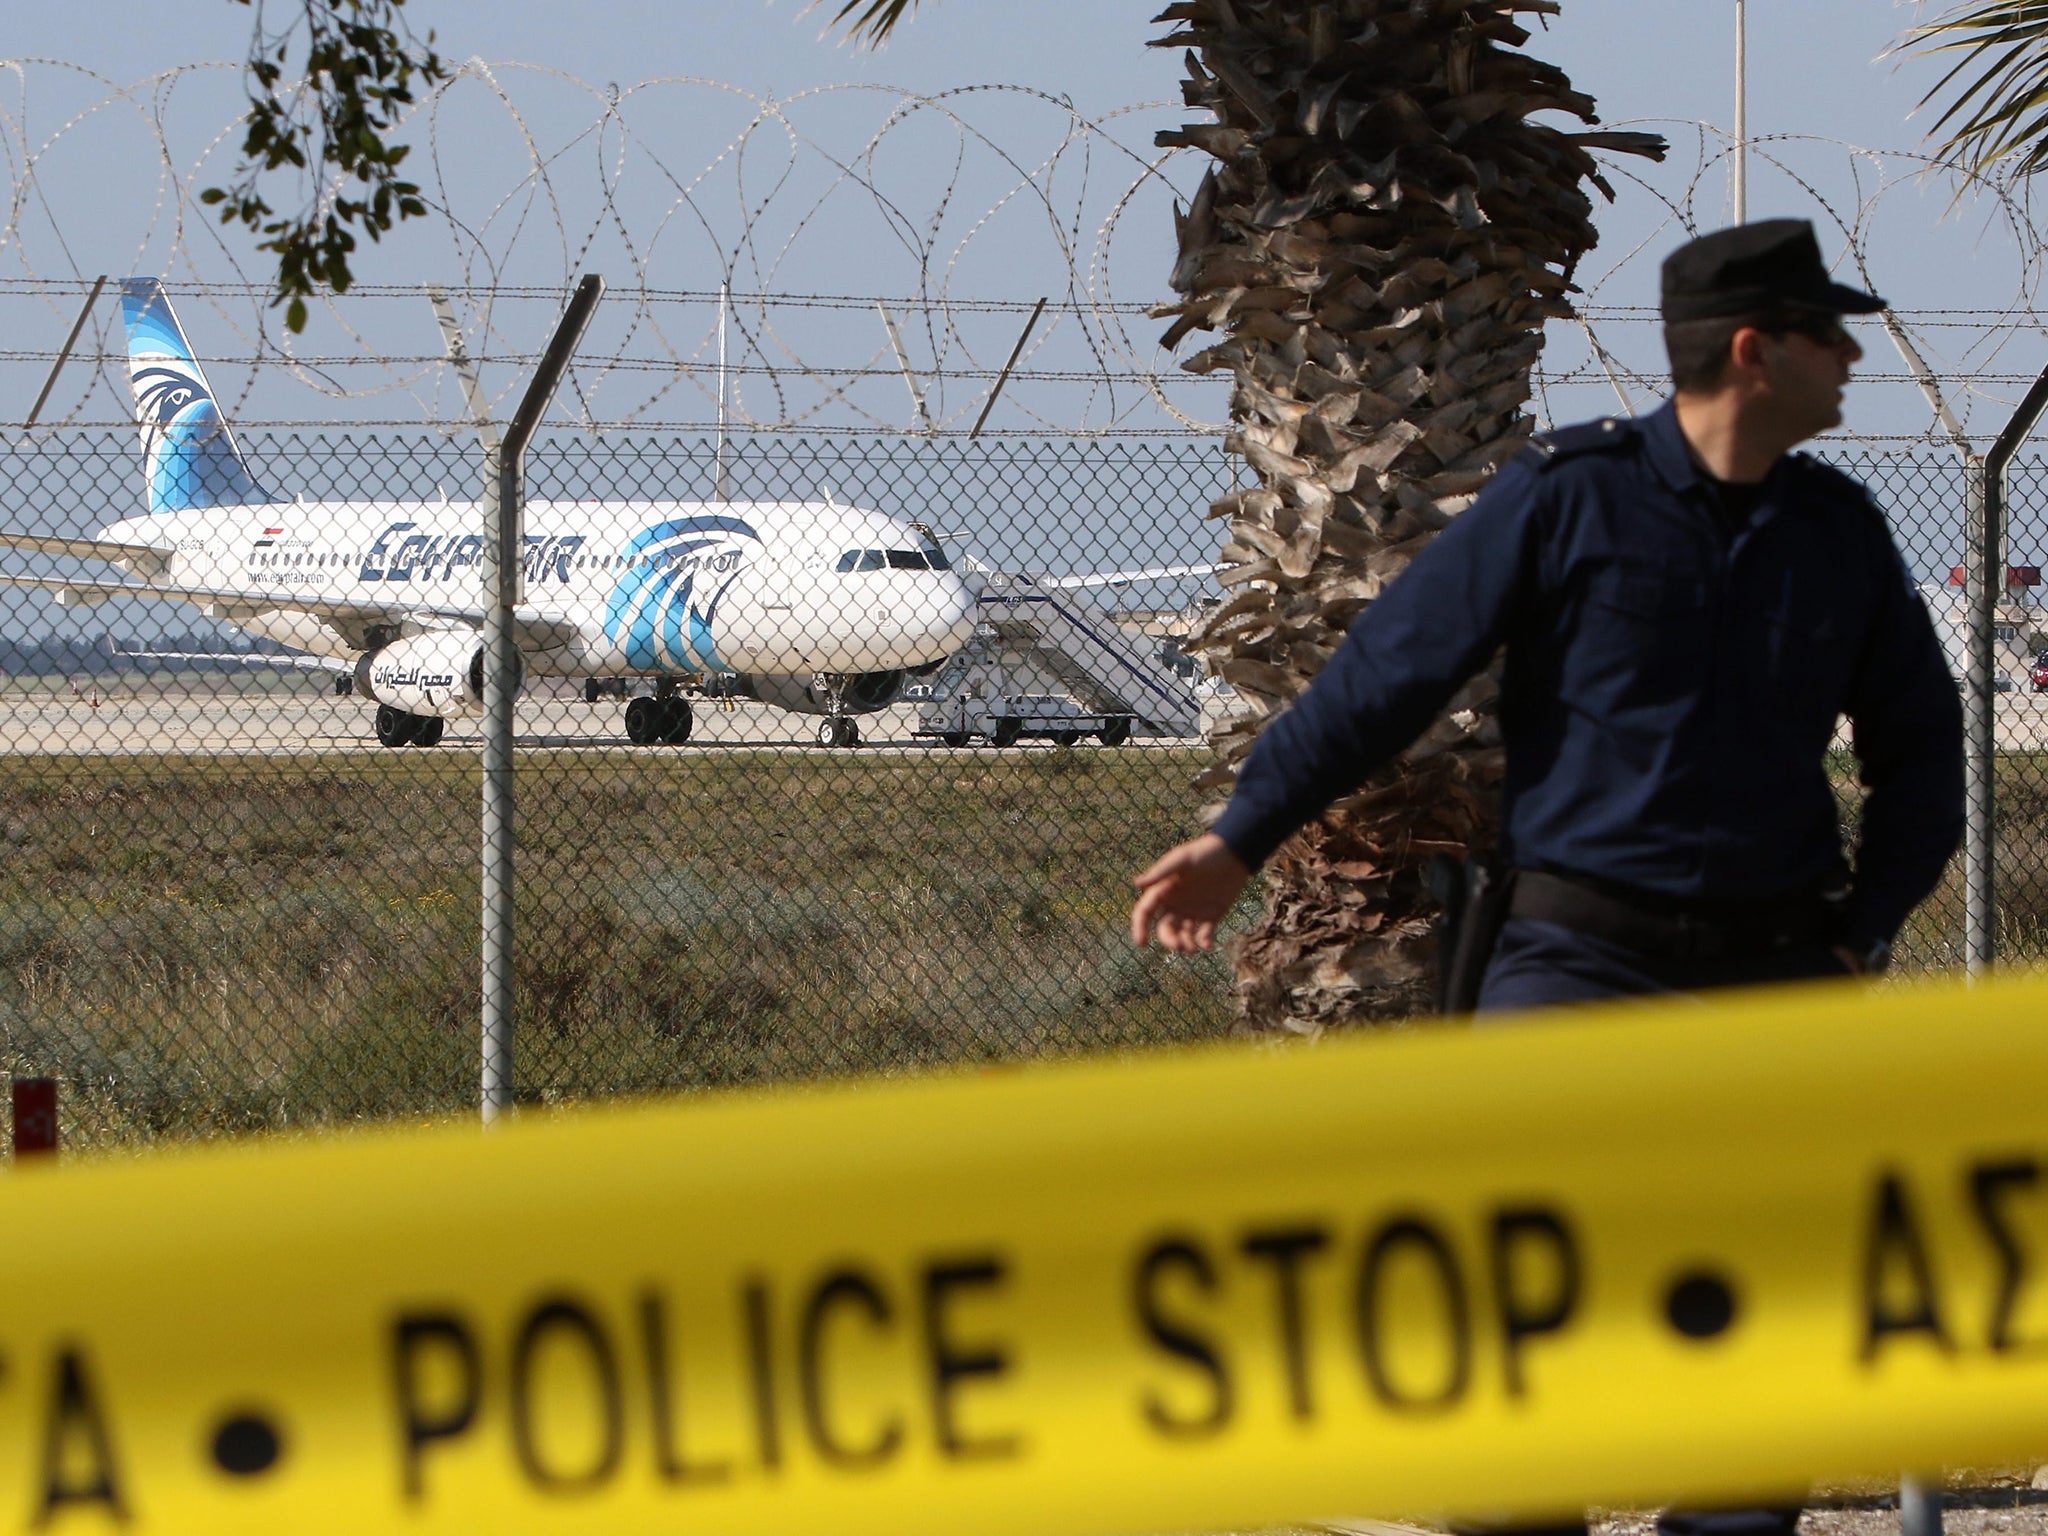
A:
[838,728]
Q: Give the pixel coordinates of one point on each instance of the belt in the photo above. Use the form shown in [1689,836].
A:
[1676,931]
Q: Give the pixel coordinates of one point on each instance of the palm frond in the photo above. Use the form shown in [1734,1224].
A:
[1994,94]
[866,21]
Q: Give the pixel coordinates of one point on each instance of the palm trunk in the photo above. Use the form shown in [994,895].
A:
[1381,241]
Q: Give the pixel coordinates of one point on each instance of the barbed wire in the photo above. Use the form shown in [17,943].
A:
[866,257]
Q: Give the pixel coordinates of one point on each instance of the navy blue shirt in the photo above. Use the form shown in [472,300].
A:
[1671,686]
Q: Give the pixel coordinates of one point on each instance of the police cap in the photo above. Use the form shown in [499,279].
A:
[1766,265]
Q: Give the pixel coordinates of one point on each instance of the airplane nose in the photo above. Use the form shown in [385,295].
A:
[949,617]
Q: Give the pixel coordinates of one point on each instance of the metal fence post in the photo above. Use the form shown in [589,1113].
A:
[1919,1507]
[505,510]
[1983,575]
[1980,723]
[1984,543]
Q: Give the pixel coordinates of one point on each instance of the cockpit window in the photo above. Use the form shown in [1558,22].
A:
[928,558]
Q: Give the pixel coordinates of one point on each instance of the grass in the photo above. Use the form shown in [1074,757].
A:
[213,946]
[1933,937]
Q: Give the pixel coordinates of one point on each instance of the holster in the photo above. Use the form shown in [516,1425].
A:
[1474,893]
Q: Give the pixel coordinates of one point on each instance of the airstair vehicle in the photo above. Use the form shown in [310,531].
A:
[1043,663]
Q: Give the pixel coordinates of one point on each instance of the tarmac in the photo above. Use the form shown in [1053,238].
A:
[129,719]
[143,720]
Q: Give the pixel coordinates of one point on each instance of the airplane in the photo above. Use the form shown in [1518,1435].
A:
[812,606]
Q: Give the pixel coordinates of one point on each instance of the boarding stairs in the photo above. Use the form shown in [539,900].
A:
[1032,638]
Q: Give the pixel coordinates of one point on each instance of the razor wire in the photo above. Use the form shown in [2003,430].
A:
[861,258]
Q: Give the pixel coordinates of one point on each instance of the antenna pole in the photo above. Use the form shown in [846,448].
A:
[1741,115]
[718,467]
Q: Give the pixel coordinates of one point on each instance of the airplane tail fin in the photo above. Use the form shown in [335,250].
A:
[188,454]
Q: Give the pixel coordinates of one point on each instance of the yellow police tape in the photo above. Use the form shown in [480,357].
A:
[1637,1255]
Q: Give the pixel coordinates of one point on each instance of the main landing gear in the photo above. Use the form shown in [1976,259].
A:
[397,728]
[663,719]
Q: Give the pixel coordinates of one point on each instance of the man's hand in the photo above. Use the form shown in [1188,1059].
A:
[1185,894]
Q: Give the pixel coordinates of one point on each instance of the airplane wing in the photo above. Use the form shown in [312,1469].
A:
[1124,578]
[291,661]
[143,559]
[350,617]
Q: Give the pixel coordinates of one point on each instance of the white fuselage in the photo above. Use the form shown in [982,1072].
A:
[612,589]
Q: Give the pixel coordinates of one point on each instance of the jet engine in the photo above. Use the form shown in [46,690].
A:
[865,692]
[439,673]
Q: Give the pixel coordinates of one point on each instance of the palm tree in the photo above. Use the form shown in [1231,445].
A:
[1381,240]
[1999,117]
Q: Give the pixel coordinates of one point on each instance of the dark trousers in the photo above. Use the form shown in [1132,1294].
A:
[1537,964]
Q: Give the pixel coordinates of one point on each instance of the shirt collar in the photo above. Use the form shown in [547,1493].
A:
[1666,445]
[1673,460]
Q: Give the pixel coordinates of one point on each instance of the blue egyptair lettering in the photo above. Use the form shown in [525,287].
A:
[545,559]
[408,558]
[373,562]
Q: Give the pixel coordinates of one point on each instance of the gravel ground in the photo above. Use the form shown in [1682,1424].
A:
[1976,1504]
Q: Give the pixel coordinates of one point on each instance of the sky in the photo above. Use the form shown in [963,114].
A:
[1818,82]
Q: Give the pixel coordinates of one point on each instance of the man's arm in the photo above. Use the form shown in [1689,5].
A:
[1907,723]
[1435,625]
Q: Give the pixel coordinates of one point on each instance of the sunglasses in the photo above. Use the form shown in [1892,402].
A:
[1826,330]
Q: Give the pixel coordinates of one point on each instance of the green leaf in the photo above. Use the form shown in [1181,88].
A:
[1996,91]
[330,115]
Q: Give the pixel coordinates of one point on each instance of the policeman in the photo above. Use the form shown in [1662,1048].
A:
[1687,608]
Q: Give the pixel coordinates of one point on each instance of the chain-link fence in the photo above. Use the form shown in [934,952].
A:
[937,720]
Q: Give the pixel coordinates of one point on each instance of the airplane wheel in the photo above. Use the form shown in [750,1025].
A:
[676,721]
[852,733]
[1116,733]
[344,685]
[1066,738]
[394,726]
[427,729]
[643,721]
[828,731]
[953,738]
[1006,732]
[593,690]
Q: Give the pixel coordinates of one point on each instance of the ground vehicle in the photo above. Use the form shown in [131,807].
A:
[2038,672]
[1006,720]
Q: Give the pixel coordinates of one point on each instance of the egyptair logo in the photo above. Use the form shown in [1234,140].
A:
[164,394]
